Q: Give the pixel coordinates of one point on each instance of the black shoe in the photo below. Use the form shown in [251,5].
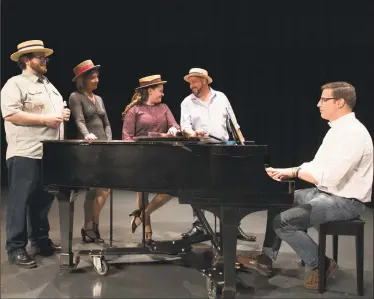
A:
[54,247]
[195,231]
[244,237]
[22,259]
[41,247]
[135,214]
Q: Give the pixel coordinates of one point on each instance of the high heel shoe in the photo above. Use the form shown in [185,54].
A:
[136,214]
[97,232]
[88,235]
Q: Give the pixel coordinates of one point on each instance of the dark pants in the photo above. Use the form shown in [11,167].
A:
[26,196]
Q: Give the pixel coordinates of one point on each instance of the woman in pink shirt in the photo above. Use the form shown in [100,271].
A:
[146,114]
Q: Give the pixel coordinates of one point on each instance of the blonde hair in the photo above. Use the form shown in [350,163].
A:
[135,100]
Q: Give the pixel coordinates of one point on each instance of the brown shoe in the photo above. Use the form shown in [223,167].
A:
[311,281]
[262,264]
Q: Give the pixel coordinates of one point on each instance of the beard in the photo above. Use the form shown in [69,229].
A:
[197,91]
[39,68]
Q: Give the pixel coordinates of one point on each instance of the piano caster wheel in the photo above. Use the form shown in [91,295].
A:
[101,266]
[213,288]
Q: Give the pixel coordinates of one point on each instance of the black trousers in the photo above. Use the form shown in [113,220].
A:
[26,198]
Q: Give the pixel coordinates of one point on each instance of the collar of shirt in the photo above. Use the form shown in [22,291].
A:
[212,92]
[343,120]
[33,77]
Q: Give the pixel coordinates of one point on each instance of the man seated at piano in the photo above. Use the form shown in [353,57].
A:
[205,113]
[144,115]
[92,123]
[342,172]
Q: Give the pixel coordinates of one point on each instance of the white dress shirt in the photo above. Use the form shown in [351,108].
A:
[343,165]
[211,116]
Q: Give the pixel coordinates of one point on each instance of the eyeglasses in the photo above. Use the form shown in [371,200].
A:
[323,100]
[42,58]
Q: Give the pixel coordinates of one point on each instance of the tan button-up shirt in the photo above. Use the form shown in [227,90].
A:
[29,93]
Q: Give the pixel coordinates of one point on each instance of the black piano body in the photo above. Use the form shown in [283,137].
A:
[228,180]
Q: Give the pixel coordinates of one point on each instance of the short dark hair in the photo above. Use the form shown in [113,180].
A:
[342,90]
[21,60]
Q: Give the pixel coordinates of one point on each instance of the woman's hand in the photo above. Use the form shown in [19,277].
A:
[173,131]
[90,136]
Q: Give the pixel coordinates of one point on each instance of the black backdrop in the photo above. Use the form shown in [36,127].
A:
[269,57]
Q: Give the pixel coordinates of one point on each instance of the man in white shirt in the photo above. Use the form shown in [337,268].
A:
[33,111]
[205,112]
[342,172]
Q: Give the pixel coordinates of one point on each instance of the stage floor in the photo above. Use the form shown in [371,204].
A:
[164,277]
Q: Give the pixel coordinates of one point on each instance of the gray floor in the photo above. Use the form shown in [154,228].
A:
[162,277]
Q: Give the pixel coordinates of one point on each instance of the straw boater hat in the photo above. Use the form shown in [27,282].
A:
[30,46]
[150,80]
[198,72]
[83,67]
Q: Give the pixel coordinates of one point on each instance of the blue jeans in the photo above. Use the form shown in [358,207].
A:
[312,207]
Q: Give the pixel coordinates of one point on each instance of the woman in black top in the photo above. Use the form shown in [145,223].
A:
[92,122]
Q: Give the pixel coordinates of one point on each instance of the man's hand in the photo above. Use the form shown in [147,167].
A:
[201,132]
[279,174]
[173,131]
[66,114]
[52,121]
[90,136]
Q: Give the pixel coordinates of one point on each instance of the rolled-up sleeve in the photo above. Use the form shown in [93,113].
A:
[11,99]
[186,122]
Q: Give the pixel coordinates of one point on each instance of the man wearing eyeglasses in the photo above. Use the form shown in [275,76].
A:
[33,111]
[342,172]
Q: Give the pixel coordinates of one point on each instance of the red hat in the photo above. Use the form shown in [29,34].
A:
[83,67]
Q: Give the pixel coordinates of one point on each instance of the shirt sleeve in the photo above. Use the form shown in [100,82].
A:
[186,122]
[77,112]
[128,128]
[11,99]
[343,158]
[171,120]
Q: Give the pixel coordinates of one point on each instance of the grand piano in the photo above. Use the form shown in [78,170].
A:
[228,180]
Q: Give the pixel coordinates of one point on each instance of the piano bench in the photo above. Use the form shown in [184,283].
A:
[354,227]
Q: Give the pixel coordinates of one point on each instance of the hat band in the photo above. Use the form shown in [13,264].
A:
[150,82]
[196,73]
[29,46]
[83,69]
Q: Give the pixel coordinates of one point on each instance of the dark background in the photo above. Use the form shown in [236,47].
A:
[269,57]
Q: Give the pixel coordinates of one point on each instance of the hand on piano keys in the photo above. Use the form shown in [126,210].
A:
[173,131]
[279,174]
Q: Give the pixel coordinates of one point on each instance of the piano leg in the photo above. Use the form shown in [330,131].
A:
[66,199]
[230,221]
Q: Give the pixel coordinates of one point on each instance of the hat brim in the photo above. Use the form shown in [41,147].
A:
[15,56]
[156,83]
[210,80]
[85,71]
